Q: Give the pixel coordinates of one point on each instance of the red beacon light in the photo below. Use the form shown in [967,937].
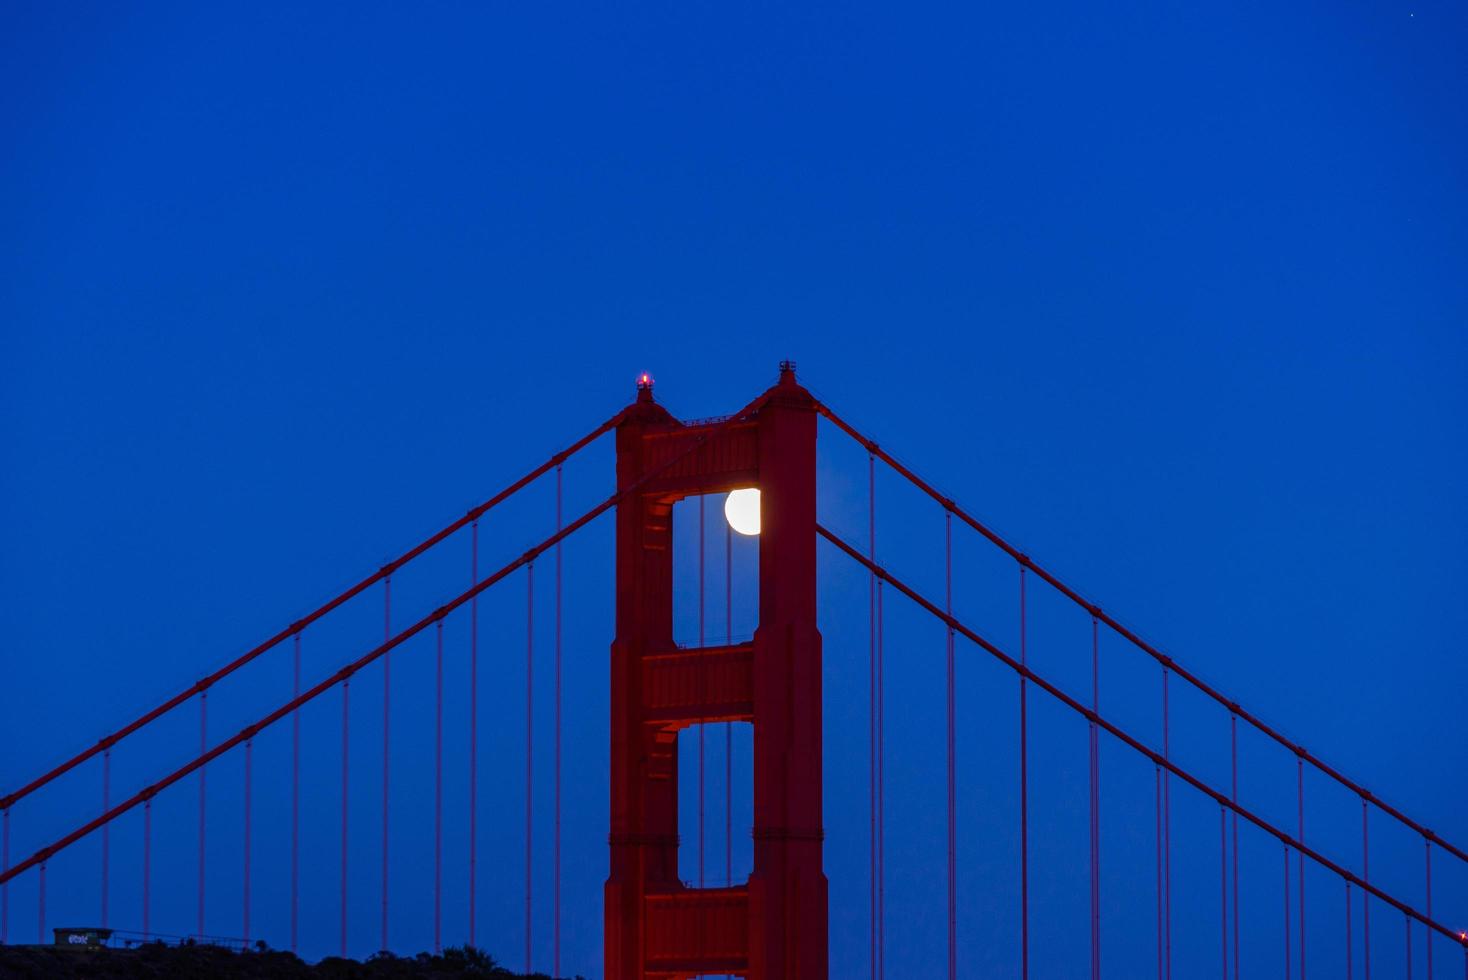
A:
[644,380]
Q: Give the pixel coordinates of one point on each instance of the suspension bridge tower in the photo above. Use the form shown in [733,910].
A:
[774,926]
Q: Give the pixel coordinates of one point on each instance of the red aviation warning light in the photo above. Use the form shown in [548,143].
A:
[644,380]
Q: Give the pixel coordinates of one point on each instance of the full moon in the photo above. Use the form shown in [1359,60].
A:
[741,509]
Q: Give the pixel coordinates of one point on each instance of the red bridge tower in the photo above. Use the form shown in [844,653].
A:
[774,926]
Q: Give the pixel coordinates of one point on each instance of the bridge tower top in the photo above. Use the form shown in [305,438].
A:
[775,924]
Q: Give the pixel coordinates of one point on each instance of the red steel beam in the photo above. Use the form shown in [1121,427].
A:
[1158,758]
[1133,638]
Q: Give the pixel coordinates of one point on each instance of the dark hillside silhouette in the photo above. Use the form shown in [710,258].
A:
[158,961]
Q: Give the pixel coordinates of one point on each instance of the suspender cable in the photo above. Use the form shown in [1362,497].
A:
[1233,741]
[702,692]
[1024,796]
[1096,805]
[438,796]
[529,741]
[1428,843]
[346,755]
[872,698]
[1167,823]
[473,724]
[147,861]
[881,794]
[106,842]
[1287,957]
[1223,886]
[952,789]
[877,774]
[386,697]
[1300,798]
[1365,898]
[728,726]
[1157,797]
[203,773]
[296,797]
[245,891]
[41,907]
[556,885]
[1349,944]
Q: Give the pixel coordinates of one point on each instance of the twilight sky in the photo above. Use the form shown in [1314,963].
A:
[1172,295]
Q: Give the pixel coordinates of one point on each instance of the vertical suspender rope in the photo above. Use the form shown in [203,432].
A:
[245,890]
[1167,822]
[1349,944]
[1287,958]
[147,861]
[1233,739]
[346,755]
[728,726]
[106,843]
[881,794]
[1300,799]
[1157,793]
[1096,804]
[1223,885]
[203,747]
[386,696]
[438,794]
[473,724]
[296,797]
[529,743]
[877,774]
[702,692]
[41,906]
[1365,896]
[1157,797]
[1024,796]
[872,698]
[952,788]
[1429,906]
[556,846]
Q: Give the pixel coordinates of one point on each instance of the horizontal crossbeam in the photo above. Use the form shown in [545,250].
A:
[701,684]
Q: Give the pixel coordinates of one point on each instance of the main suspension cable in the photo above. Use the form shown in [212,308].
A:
[873,449]
[343,675]
[474,514]
[1156,757]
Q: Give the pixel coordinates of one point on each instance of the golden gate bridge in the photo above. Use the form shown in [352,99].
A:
[774,923]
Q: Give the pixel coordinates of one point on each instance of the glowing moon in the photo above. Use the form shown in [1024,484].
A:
[741,510]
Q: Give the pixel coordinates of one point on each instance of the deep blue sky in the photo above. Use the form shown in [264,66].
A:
[1174,295]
